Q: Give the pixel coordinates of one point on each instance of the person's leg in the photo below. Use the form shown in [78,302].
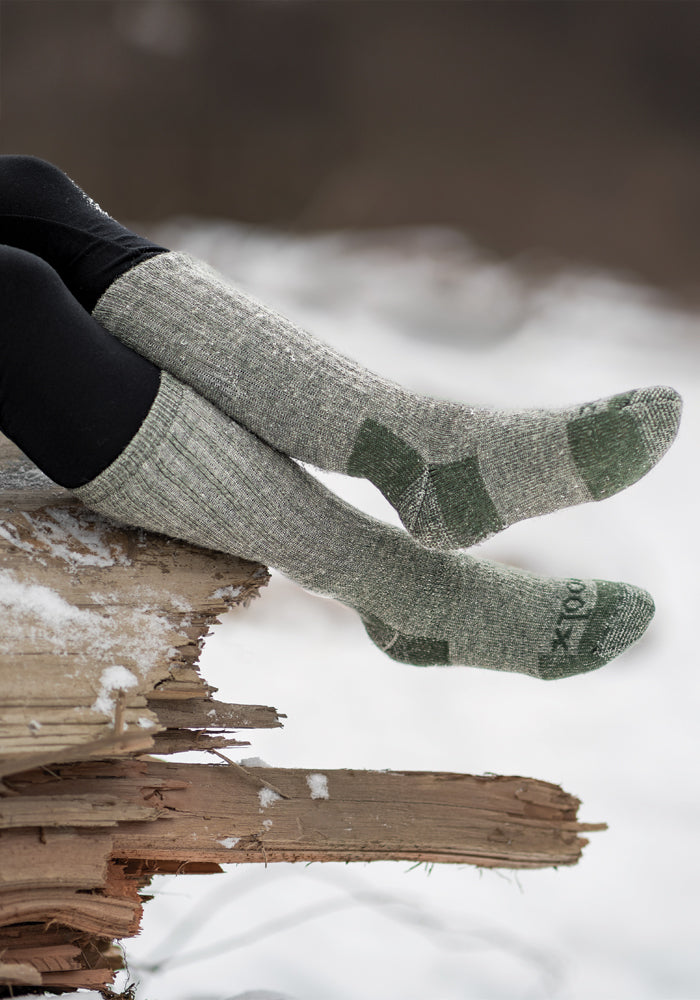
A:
[44,212]
[72,396]
[455,474]
[139,446]
[193,473]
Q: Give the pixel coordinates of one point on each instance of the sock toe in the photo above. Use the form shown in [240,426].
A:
[635,612]
[620,617]
[658,413]
[618,440]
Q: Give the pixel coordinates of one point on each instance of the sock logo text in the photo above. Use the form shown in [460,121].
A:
[572,612]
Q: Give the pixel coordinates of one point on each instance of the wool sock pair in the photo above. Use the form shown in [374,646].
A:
[454,474]
[193,473]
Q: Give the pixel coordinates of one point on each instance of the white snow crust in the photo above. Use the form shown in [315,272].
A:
[40,616]
[115,678]
[228,842]
[318,785]
[267,796]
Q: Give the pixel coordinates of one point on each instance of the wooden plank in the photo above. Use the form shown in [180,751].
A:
[82,810]
[213,714]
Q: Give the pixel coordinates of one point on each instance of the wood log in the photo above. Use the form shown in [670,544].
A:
[101,629]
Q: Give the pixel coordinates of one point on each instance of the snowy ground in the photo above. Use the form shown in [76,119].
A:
[423,308]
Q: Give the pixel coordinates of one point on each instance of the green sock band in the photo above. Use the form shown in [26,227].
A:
[445,506]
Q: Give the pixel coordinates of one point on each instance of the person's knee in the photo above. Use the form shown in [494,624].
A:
[27,182]
[24,279]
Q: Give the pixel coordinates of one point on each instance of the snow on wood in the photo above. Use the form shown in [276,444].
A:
[99,621]
[102,626]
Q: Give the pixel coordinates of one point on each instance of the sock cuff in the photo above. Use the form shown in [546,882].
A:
[150,436]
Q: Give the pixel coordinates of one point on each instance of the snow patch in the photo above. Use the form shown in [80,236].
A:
[77,539]
[318,785]
[9,533]
[228,842]
[115,678]
[40,617]
[227,593]
[253,762]
[36,600]
[267,797]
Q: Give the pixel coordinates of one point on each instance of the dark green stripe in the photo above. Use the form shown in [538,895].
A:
[608,448]
[467,509]
[385,459]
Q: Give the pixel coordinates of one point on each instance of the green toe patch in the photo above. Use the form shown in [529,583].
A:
[466,511]
[417,650]
[607,447]
[588,655]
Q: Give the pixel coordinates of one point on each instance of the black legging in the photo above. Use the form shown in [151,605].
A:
[44,212]
[71,395]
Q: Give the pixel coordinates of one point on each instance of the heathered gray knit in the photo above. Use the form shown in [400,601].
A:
[454,474]
[193,473]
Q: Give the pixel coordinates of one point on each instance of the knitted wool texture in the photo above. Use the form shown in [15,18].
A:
[454,474]
[193,473]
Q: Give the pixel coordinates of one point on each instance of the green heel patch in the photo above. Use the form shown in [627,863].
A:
[386,460]
[420,651]
[607,447]
[467,509]
[455,489]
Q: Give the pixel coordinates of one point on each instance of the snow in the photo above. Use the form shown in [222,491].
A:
[60,532]
[228,842]
[267,797]
[114,678]
[318,785]
[40,617]
[227,593]
[34,600]
[426,309]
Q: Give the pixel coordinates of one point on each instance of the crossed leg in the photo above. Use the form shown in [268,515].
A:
[455,474]
[137,444]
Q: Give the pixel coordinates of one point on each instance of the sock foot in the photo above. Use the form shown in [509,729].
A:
[515,465]
[580,638]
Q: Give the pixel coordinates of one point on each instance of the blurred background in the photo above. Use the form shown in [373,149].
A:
[493,202]
[558,128]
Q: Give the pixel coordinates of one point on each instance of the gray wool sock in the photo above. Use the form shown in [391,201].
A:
[454,474]
[193,473]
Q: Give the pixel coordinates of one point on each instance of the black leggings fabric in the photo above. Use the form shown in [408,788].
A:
[44,212]
[71,395]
